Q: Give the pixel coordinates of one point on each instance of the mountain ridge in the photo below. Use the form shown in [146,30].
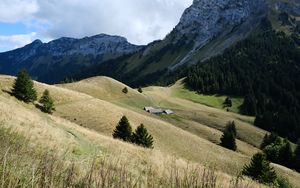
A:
[64,54]
[205,30]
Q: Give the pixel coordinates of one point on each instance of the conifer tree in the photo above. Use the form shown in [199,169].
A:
[123,130]
[229,135]
[297,157]
[140,90]
[259,169]
[23,87]
[286,154]
[142,138]
[231,127]
[47,102]
[270,139]
[125,90]
[227,102]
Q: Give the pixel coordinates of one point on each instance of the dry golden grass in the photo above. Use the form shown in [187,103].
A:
[98,118]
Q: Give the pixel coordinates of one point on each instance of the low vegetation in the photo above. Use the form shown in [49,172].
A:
[40,168]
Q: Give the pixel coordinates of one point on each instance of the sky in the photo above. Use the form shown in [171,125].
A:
[140,21]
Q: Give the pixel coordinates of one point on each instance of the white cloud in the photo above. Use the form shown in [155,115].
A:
[17,10]
[16,41]
[140,21]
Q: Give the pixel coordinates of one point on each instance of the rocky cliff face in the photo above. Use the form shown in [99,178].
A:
[102,45]
[206,20]
[58,59]
[209,18]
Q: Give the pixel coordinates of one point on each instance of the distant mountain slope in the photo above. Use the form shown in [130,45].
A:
[205,30]
[52,62]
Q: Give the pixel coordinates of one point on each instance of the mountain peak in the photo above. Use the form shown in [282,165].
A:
[208,18]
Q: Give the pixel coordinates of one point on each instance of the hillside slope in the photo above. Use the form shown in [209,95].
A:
[80,145]
[196,123]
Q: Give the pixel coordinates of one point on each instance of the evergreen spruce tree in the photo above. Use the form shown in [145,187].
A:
[227,103]
[140,90]
[229,135]
[297,157]
[259,169]
[231,127]
[125,90]
[123,130]
[270,139]
[142,138]
[286,154]
[23,87]
[47,102]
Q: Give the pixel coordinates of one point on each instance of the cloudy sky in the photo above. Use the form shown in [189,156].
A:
[140,21]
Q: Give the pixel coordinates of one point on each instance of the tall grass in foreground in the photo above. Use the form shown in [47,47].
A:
[25,166]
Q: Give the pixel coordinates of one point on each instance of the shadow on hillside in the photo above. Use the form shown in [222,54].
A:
[8,92]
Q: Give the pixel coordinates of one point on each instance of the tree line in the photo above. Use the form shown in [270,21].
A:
[265,70]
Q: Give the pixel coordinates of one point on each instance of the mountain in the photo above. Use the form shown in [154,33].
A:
[205,30]
[51,62]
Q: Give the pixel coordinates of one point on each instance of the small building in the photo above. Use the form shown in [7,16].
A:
[147,109]
[153,110]
[156,111]
[168,112]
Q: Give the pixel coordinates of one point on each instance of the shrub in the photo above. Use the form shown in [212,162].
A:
[23,87]
[142,138]
[123,130]
[140,90]
[47,102]
[259,169]
[125,90]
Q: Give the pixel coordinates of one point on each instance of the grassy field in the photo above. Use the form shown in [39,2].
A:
[215,101]
[86,116]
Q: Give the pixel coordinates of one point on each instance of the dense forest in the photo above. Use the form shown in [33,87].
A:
[264,69]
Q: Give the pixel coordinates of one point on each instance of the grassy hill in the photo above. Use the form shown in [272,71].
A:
[88,111]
